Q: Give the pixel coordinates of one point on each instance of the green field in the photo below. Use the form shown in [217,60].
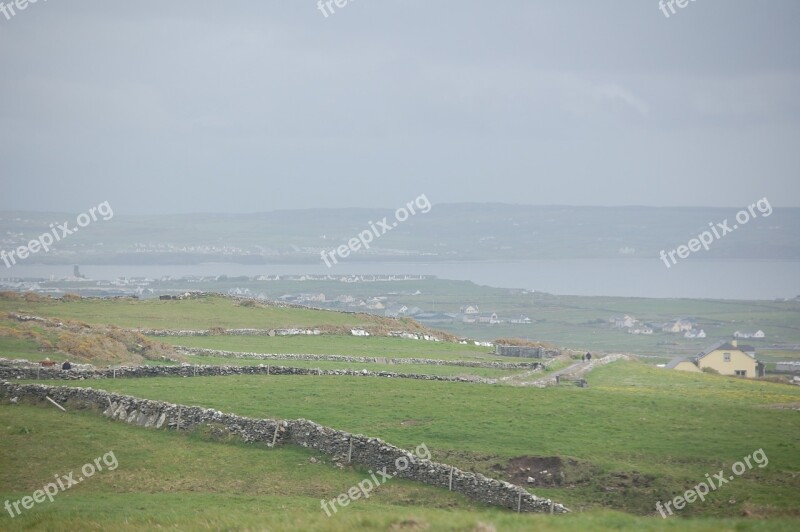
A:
[202,313]
[634,420]
[573,322]
[636,436]
[576,322]
[20,348]
[340,345]
[187,482]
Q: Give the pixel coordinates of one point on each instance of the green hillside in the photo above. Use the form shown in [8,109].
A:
[636,436]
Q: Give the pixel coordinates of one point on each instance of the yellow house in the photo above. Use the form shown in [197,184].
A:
[728,358]
[683,364]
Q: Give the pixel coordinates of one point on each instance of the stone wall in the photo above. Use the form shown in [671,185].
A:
[8,373]
[792,366]
[519,351]
[368,452]
[366,360]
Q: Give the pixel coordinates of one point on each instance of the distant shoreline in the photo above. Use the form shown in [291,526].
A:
[696,278]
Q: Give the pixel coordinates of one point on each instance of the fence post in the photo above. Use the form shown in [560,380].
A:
[519,502]
[178,426]
[450,486]
[58,405]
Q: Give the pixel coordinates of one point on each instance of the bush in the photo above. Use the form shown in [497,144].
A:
[33,297]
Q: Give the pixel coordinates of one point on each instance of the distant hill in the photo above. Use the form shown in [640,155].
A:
[448,232]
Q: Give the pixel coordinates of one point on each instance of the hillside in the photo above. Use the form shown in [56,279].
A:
[636,436]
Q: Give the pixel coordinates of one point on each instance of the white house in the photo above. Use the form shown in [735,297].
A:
[694,333]
[623,322]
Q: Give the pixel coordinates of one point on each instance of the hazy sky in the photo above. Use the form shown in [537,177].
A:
[188,106]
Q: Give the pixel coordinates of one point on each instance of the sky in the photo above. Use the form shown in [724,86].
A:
[248,106]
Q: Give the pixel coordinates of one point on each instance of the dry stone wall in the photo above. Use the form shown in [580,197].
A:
[342,446]
[366,360]
[7,373]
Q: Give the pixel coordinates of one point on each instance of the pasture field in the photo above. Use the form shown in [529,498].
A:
[372,346]
[636,436]
[200,313]
[575,322]
[166,480]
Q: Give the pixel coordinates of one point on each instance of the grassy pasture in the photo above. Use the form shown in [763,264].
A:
[202,313]
[372,346]
[668,428]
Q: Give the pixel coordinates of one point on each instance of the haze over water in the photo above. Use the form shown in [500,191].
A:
[693,278]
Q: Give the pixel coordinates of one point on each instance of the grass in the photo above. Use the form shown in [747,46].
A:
[202,313]
[21,348]
[569,321]
[634,418]
[372,346]
[186,482]
[637,435]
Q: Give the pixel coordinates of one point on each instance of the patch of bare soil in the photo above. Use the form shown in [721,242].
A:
[548,471]
[554,471]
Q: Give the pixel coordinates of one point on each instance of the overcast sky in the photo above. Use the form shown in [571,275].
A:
[242,106]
